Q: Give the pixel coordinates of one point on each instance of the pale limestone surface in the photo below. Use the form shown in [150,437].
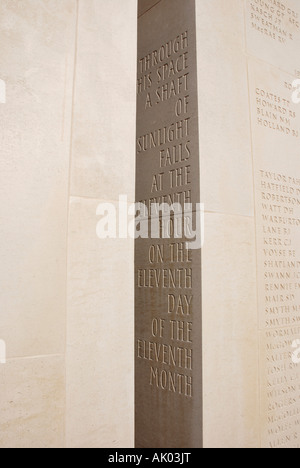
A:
[37,64]
[273,32]
[104,101]
[225,145]
[276,153]
[100,327]
[230,321]
[230,339]
[38,51]
[32,403]
[279,387]
[253,402]
[100,334]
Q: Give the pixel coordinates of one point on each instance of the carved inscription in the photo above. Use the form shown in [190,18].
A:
[282,389]
[276,127]
[168,301]
[280,230]
[163,75]
[274,19]
[275,113]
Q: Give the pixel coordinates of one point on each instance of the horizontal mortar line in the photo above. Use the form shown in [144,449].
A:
[42,356]
[79,197]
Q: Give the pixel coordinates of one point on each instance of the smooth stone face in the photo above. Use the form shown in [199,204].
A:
[37,69]
[230,339]
[259,337]
[224,127]
[37,85]
[100,367]
[168,395]
[276,136]
[103,143]
[32,403]
[37,66]
[100,338]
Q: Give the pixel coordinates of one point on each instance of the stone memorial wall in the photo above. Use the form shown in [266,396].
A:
[273,38]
